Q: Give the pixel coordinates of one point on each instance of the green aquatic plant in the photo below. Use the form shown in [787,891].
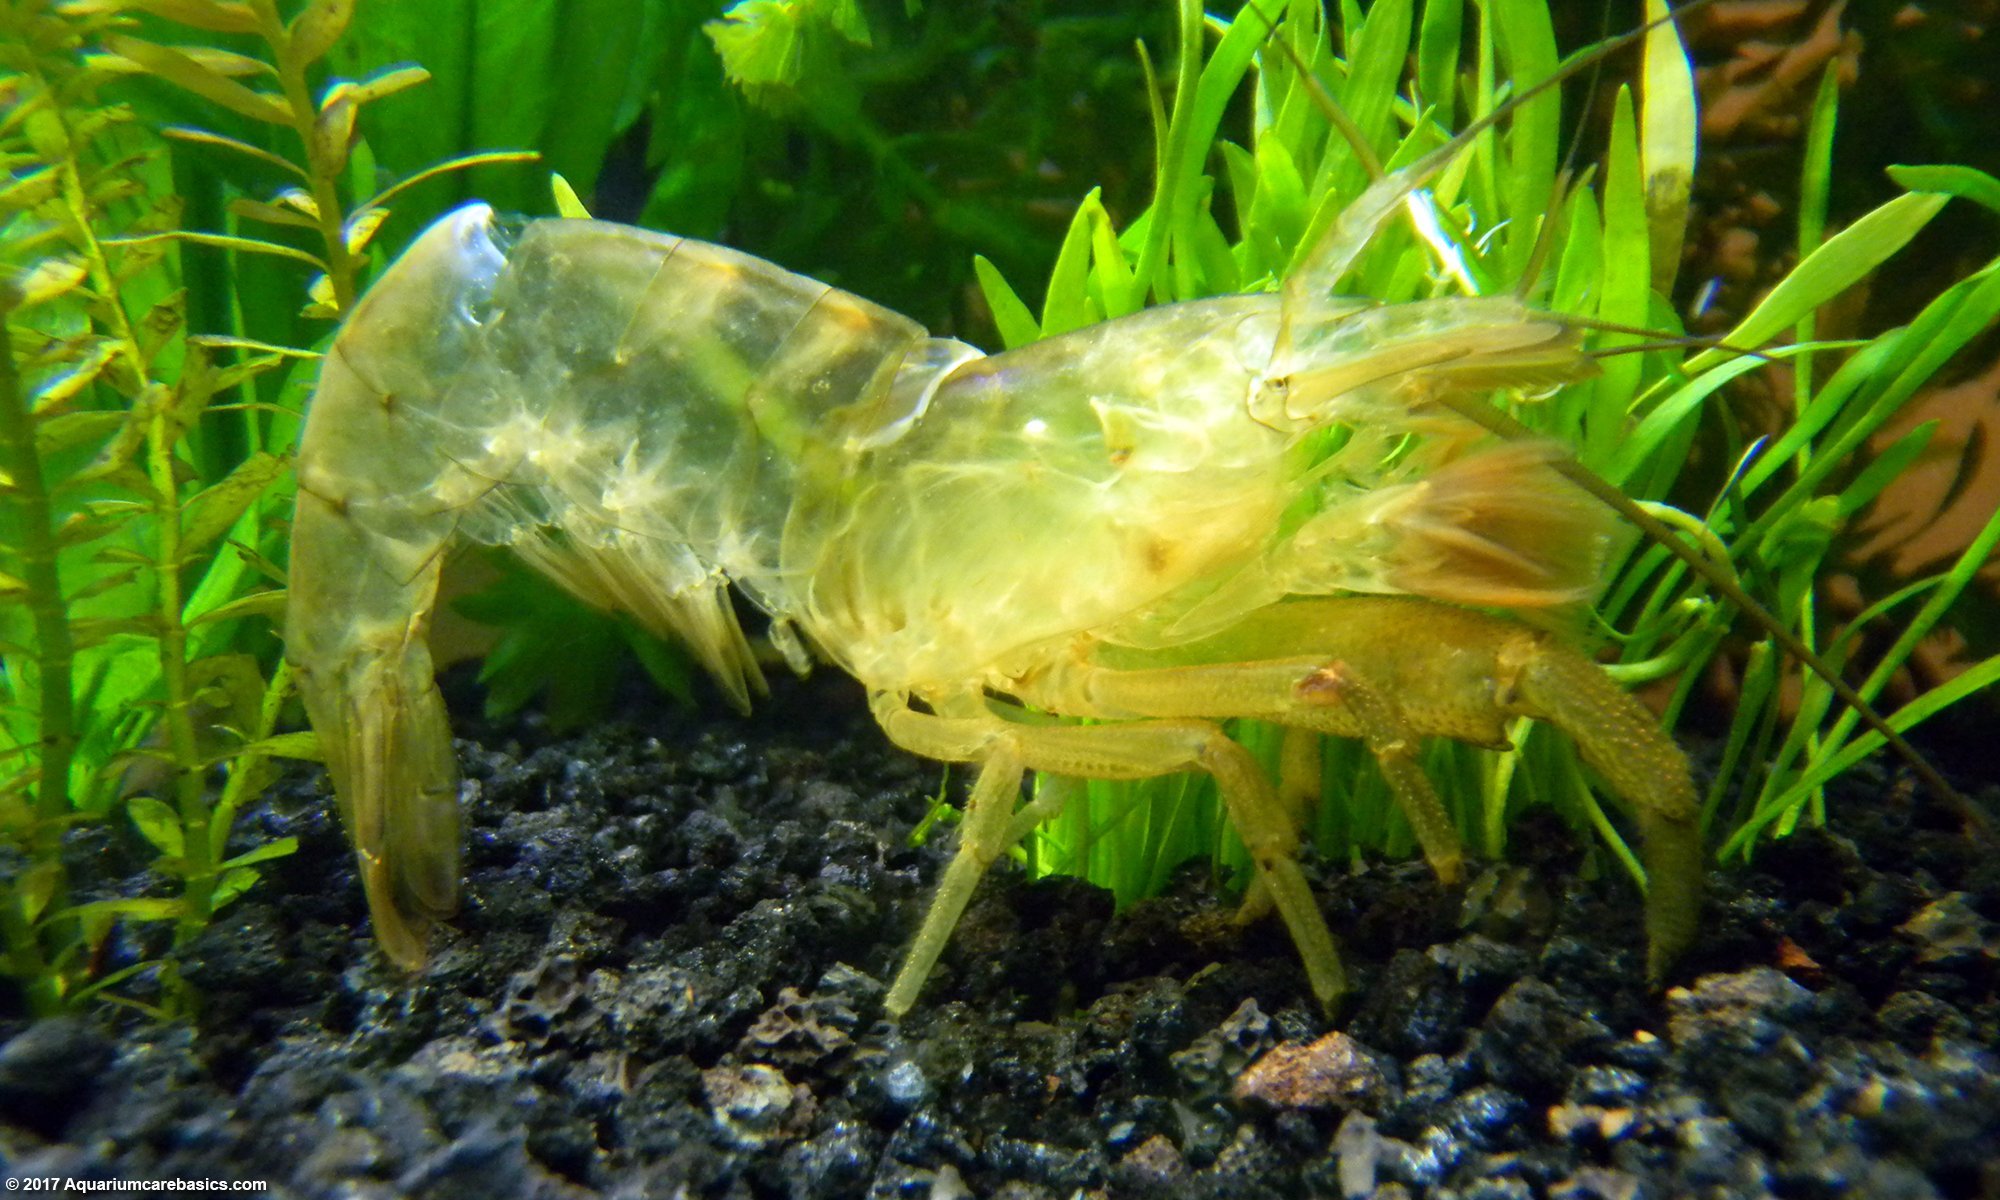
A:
[1229,215]
[146,482]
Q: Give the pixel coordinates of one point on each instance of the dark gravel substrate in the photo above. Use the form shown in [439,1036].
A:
[666,983]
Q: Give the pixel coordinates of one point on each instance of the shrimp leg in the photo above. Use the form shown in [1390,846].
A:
[1133,750]
[1390,670]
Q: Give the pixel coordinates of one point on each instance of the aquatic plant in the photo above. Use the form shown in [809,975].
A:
[144,507]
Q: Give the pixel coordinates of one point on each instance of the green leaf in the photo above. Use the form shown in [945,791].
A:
[1816,177]
[1969,183]
[212,511]
[1377,52]
[378,85]
[178,69]
[220,62]
[779,45]
[761,42]
[1840,262]
[1439,37]
[224,241]
[47,279]
[280,848]
[1528,47]
[232,884]
[1015,322]
[203,137]
[267,604]
[567,203]
[1667,142]
[98,914]
[26,191]
[158,823]
[1066,305]
[318,27]
[303,746]
[1887,466]
[216,16]
[59,389]
[361,228]
[1623,299]
[271,214]
[35,887]
[383,197]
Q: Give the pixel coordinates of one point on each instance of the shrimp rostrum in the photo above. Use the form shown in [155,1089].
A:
[1137,523]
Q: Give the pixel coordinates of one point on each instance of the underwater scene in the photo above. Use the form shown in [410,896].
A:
[1382,600]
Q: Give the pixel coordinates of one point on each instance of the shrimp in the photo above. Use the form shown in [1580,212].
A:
[1102,524]
[1255,506]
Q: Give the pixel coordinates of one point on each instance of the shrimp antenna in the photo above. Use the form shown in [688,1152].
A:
[1661,339]
[1342,244]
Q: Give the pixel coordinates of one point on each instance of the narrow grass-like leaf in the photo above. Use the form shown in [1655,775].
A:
[1890,463]
[1643,442]
[568,203]
[1816,175]
[1970,183]
[1833,268]
[1528,44]
[1376,54]
[1815,182]
[1667,143]
[1017,325]
[1438,40]
[1627,282]
[1066,304]
[1966,310]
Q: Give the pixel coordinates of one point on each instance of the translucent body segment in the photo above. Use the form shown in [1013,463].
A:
[367,540]
[1136,447]
[625,409]
[1060,487]
[664,389]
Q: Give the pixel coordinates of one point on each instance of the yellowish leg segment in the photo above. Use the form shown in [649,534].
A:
[1623,743]
[1387,671]
[1310,696]
[1136,750]
[1393,670]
